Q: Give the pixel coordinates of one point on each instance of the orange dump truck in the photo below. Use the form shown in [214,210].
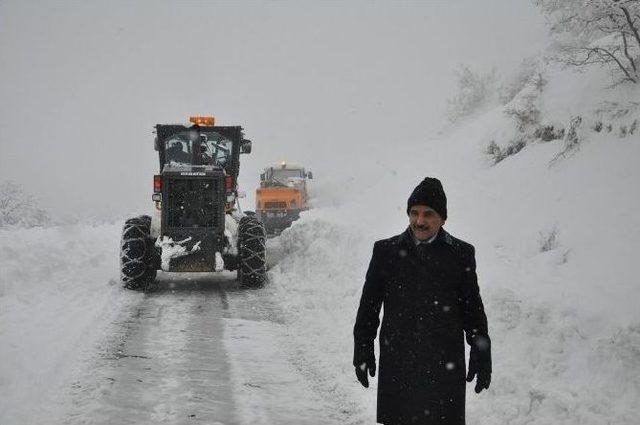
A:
[281,196]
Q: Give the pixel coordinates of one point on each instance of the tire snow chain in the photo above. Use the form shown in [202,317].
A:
[140,227]
[254,232]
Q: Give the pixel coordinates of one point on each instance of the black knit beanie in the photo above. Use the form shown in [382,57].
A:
[430,193]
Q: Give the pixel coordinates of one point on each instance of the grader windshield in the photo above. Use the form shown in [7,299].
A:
[214,149]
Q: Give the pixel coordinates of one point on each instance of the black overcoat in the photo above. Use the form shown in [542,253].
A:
[430,297]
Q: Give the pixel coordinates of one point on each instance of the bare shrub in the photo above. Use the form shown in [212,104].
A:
[498,154]
[475,92]
[597,127]
[528,70]
[616,110]
[548,132]
[623,131]
[571,139]
[526,116]
[492,149]
[19,209]
[524,106]
[548,241]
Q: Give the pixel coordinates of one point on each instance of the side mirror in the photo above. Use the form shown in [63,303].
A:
[309,175]
[245,146]
[262,177]
[156,144]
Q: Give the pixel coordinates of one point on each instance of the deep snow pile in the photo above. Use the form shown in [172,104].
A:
[556,231]
[59,289]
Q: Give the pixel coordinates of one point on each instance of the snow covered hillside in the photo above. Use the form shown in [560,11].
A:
[556,229]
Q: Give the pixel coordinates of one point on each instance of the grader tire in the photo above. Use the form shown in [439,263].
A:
[137,254]
[252,270]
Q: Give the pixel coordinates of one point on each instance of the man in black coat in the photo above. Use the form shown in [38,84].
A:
[426,280]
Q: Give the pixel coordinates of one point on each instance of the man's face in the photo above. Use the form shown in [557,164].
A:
[424,221]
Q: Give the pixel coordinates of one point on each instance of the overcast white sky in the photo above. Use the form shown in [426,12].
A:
[82,83]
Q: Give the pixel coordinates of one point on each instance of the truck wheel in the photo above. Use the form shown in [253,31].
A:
[137,254]
[252,269]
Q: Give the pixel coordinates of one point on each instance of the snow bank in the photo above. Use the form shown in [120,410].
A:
[59,288]
[556,234]
[317,284]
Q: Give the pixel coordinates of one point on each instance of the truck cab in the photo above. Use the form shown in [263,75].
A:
[282,196]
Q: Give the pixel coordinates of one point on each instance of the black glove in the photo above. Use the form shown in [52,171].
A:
[480,363]
[361,372]
[364,361]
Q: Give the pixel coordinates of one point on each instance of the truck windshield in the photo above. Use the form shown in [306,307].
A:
[284,174]
[215,149]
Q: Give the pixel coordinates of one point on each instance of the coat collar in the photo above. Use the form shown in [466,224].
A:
[406,238]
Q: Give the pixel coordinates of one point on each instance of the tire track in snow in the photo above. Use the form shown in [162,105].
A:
[197,349]
[168,367]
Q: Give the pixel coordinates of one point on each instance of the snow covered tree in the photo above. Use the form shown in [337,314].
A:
[18,208]
[475,91]
[605,32]
[530,68]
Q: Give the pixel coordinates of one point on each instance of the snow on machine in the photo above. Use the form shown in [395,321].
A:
[282,196]
[196,226]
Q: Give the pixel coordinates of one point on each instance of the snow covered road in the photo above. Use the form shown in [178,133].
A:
[197,349]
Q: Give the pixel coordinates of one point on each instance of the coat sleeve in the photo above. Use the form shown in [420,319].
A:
[474,319]
[368,317]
